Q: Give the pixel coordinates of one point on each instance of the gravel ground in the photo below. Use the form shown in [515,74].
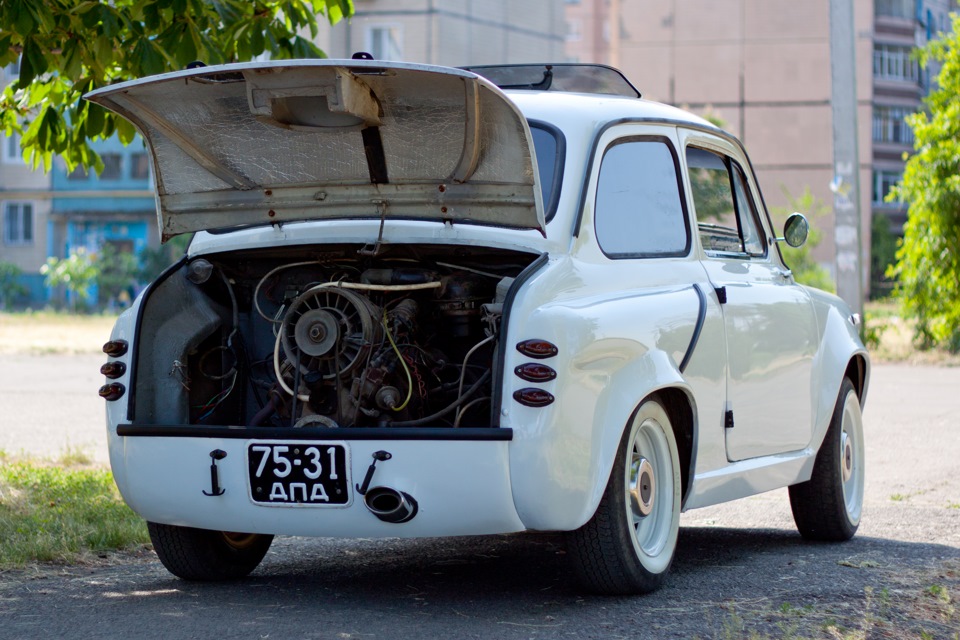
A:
[741,571]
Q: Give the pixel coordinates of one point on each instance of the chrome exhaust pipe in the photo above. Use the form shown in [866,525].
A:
[390,505]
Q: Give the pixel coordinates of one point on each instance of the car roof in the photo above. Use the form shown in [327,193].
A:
[572,110]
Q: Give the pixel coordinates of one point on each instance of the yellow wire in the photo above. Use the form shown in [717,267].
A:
[402,362]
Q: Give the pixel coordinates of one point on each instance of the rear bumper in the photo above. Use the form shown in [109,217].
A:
[459,478]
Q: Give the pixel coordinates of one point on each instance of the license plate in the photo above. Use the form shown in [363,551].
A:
[310,474]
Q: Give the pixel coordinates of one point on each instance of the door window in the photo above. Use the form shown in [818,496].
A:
[726,216]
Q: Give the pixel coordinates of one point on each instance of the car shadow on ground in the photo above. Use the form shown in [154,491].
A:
[508,586]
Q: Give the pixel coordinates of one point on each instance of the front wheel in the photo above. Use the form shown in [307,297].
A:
[628,545]
[828,506]
[201,554]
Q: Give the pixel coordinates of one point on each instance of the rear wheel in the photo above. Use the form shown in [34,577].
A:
[628,545]
[828,506]
[201,554]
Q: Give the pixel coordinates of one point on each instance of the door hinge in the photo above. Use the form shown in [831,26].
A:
[728,420]
[721,294]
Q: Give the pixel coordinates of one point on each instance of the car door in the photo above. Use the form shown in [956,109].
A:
[771,333]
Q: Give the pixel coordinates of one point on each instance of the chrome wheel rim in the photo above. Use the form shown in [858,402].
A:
[851,457]
[649,489]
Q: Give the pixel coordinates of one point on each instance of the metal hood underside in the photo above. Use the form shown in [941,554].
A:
[264,143]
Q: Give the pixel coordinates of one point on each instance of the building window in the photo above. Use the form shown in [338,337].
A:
[889,125]
[883,181]
[574,30]
[12,71]
[111,166]
[78,173]
[18,223]
[385,43]
[11,149]
[895,8]
[893,62]
[139,166]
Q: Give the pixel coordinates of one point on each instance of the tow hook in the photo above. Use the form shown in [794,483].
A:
[378,456]
[216,454]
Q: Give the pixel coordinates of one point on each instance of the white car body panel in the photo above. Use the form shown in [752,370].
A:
[622,327]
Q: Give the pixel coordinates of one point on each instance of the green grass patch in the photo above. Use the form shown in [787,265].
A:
[61,513]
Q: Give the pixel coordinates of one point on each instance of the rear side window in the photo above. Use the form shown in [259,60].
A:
[639,209]
[548,144]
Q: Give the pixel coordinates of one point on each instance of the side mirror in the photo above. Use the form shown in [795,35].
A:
[795,230]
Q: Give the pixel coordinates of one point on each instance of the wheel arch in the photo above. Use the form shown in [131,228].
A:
[857,371]
[681,410]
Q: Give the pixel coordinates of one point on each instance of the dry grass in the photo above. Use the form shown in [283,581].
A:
[890,338]
[50,332]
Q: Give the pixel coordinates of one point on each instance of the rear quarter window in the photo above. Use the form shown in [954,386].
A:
[550,148]
[640,210]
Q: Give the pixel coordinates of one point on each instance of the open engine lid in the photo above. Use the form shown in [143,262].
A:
[268,142]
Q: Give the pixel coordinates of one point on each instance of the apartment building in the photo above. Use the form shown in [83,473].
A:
[25,201]
[451,32]
[51,214]
[115,207]
[763,67]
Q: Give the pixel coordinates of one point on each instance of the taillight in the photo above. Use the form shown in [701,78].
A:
[113,370]
[538,349]
[534,372]
[115,348]
[533,397]
[112,391]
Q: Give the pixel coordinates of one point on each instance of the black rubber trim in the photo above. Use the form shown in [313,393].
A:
[135,356]
[316,433]
[498,372]
[701,317]
[668,121]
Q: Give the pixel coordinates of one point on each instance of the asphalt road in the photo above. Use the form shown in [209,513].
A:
[741,568]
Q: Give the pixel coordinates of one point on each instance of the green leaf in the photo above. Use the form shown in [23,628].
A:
[32,63]
[95,119]
[151,16]
[7,53]
[72,65]
[125,131]
[256,39]
[148,59]
[109,21]
[22,17]
[303,48]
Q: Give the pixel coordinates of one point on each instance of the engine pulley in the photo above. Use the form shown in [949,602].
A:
[330,331]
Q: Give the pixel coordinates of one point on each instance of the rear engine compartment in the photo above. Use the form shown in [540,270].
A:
[325,336]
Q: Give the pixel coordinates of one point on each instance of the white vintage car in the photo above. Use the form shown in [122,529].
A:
[424,301]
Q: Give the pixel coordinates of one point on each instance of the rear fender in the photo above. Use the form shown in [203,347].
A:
[559,477]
